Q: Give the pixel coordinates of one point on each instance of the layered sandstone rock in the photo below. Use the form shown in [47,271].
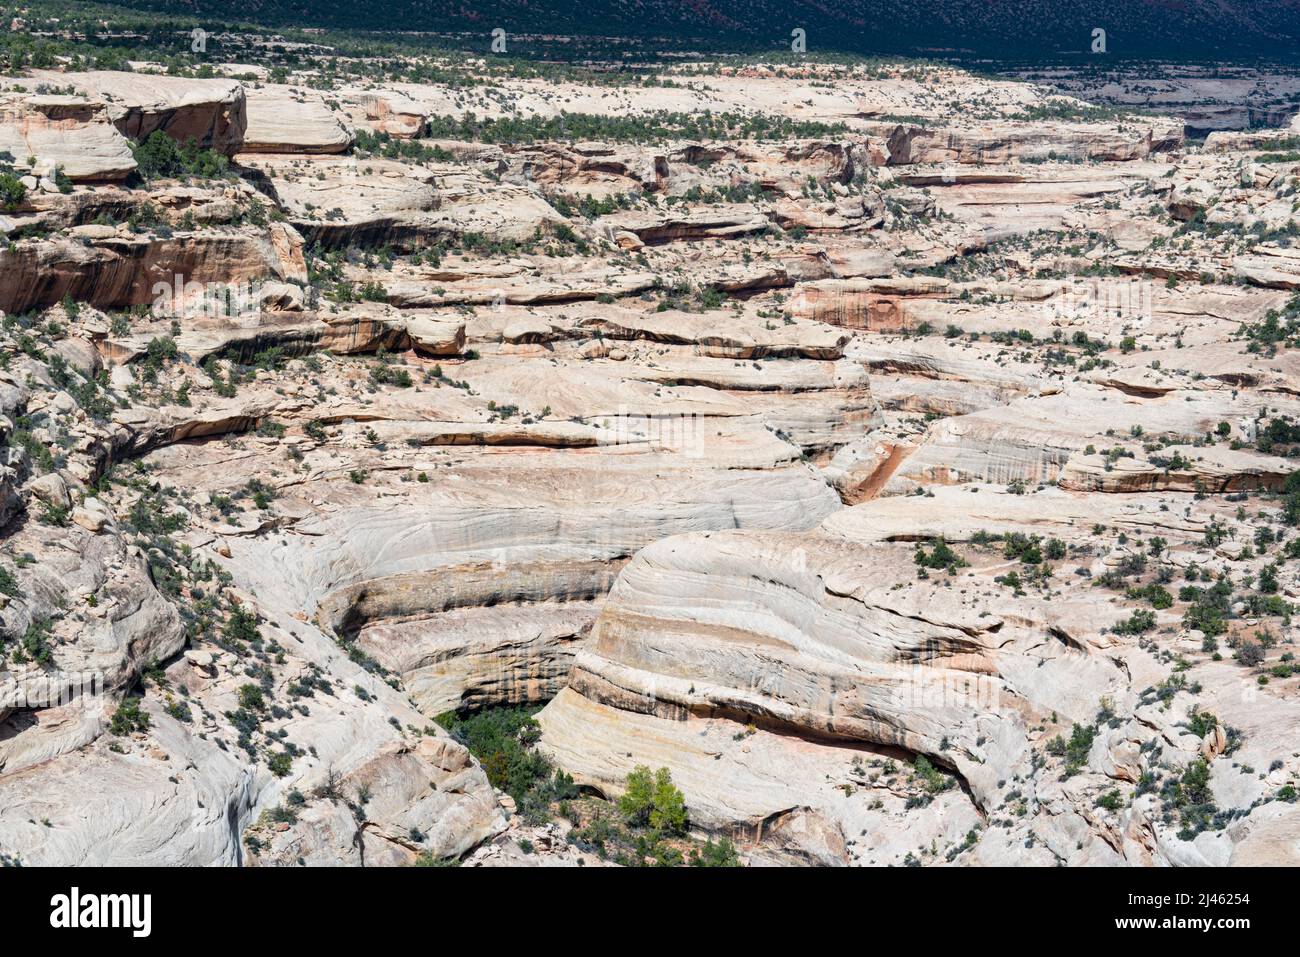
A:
[211,112]
[127,270]
[292,120]
[842,474]
[348,201]
[1004,142]
[394,113]
[700,224]
[720,654]
[65,132]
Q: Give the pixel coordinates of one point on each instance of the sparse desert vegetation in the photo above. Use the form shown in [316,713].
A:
[682,460]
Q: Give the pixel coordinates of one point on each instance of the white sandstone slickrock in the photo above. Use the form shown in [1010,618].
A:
[666,435]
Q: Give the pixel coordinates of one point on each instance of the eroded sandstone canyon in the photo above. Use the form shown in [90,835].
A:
[902,458]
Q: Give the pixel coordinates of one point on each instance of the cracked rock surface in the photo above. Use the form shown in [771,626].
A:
[914,483]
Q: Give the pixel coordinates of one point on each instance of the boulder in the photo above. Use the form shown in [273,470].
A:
[286,119]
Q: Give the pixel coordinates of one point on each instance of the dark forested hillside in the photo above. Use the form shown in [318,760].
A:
[1018,28]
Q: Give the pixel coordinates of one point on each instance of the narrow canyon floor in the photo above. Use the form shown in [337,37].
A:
[399,455]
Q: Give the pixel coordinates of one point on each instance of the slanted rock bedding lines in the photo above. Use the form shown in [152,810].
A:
[907,470]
